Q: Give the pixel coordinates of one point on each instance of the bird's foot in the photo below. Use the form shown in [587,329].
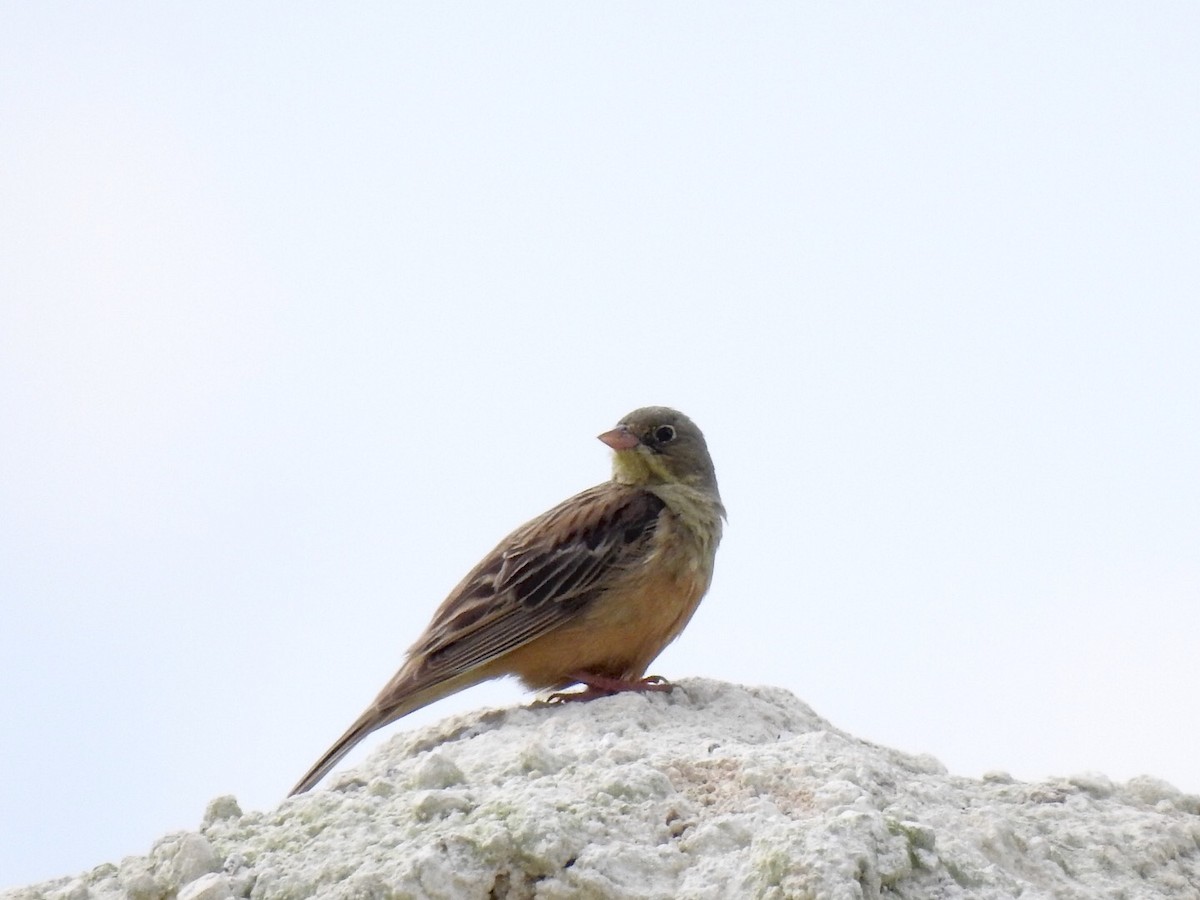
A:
[604,686]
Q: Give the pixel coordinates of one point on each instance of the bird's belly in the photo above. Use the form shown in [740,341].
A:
[619,636]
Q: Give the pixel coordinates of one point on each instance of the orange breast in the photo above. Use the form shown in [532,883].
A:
[627,627]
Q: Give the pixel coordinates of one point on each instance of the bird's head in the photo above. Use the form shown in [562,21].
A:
[660,445]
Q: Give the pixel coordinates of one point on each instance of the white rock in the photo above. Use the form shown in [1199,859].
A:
[212,886]
[711,791]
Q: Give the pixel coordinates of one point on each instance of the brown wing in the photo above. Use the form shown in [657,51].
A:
[542,575]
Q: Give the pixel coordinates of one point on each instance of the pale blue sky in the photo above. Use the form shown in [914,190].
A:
[305,306]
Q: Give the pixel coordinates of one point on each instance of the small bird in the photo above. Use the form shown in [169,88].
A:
[589,592]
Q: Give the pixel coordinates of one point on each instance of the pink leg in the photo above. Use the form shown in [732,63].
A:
[604,686]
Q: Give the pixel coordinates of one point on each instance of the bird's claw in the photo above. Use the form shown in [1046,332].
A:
[603,686]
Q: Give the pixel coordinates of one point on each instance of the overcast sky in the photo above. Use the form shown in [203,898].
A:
[304,306]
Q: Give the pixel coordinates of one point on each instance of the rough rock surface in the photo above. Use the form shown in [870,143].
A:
[713,791]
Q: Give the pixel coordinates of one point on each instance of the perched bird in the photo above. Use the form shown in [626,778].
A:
[589,592]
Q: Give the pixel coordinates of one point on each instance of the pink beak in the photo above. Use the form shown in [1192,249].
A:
[620,438]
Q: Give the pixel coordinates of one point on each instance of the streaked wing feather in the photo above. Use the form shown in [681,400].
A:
[539,577]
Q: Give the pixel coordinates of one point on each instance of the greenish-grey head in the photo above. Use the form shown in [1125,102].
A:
[660,445]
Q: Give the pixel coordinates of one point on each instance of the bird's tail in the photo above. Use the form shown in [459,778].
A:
[396,700]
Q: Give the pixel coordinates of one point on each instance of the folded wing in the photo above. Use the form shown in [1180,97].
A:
[544,574]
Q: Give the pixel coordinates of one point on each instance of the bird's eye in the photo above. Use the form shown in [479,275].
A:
[664,433]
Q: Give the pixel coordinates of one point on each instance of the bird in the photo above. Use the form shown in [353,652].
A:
[588,593]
